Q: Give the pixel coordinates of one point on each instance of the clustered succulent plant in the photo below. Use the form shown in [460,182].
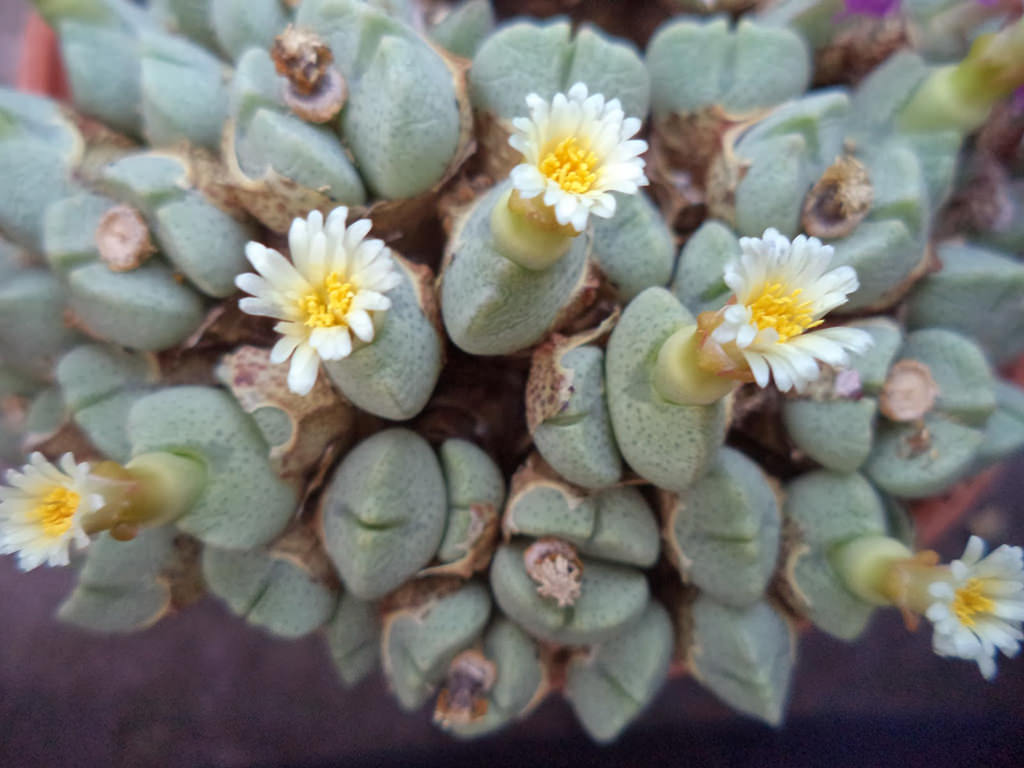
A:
[542,431]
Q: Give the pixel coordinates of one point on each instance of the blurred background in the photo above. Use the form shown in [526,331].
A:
[204,689]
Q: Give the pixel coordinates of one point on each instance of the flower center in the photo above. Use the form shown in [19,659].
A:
[56,510]
[329,306]
[784,312]
[571,166]
[968,602]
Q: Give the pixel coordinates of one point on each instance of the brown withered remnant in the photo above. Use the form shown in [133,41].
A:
[122,239]
[556,568]
[839,200]
[859,48]
[463,699]
[316,90]
[909,391]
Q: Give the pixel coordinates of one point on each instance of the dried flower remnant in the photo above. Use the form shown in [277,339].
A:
[463,700]
[839,200]
[556,568]
[122,239]
[316,90]
[909,391]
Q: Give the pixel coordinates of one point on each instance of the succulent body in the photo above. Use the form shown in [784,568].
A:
[545,453]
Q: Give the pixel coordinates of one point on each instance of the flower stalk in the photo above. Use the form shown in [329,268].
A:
[959,97]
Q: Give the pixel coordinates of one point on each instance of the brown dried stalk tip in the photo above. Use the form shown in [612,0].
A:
[556,568]
[840,199]
[471,676]
[909,391]
[316,91]
[122,239]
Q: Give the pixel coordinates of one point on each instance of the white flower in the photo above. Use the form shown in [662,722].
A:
[331,289]
[577,151]
[980,610]
[41,512]
[783,290]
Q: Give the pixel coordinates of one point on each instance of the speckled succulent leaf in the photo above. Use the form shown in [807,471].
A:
[612,597]
[104,74]
[120,587]
[964,378]
[1004,431]
[838,434]
[243,503]
[384,512]
[978,292]
[611,684]
[836,431]
[464,28]
[190,18]
[476,492]
[239,25]
[492,305]
[419,642]
[39,149]
[267,142]
[615,525]
[576,439]
[881,96]
[634,249]
[271,592]
[46,415]
[748,67]
[32,328]
[99,384]
[402,120]
[902,467]
[723,533]
[520,681]
[526,57]
[670,445]
[815,20]
[828,508]
[184,91]
[786,153]
[144,309]
[395,374]
[198,238]
[698,281]
[69,230]
[744,655]
[353,639]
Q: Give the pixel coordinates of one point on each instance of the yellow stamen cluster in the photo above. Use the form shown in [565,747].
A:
[329,307]
[968,602]
[56,510]
[784,312]
[571,166]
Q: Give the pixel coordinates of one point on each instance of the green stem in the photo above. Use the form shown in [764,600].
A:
[679,378]
[524,241]
[864,565]
[959,97]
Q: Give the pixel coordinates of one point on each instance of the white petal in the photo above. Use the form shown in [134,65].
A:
[304,369]
[361,324]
